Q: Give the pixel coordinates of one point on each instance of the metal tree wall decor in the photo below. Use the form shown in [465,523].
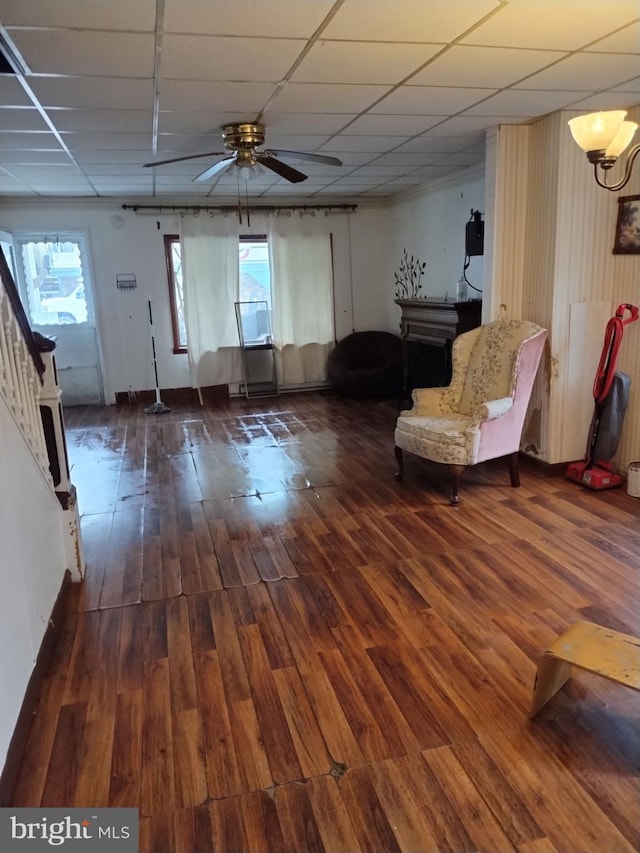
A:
[408,277]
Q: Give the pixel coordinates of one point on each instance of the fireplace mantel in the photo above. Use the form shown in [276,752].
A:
[428,328]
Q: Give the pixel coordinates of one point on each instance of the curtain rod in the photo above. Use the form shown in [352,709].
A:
[264,208]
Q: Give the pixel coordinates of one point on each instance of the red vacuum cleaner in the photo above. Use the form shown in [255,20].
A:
[611,395]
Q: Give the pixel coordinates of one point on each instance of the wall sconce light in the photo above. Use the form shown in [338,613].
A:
[604,136]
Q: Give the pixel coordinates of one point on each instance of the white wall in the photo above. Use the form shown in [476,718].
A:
[430,225]
[121,241]
[32,568]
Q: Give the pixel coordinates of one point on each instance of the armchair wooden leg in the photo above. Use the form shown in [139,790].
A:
[456,474]
[399,457]
[514,472]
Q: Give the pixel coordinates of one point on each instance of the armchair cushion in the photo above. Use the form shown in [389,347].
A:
[492,409]
[490,373]
[451,429]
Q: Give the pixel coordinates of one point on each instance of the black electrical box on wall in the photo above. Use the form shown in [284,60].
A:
[474,235]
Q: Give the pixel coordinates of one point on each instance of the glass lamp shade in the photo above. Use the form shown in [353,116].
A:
[621,139]
[251,171]
[596,131]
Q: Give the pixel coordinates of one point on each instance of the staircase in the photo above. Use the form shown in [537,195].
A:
[39,525]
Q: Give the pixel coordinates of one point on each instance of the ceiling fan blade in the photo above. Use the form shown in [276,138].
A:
[288,172]
[218,167]
[302,155]
[188,157]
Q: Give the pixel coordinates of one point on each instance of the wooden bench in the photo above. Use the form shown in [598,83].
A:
[590,647]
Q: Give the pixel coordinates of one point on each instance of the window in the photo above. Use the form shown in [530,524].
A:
[255,281]
[255,272]
[173,258]
[53,280]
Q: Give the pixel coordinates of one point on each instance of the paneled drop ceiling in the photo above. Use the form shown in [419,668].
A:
[402,91]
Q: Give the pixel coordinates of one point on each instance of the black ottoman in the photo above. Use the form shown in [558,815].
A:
[367,364]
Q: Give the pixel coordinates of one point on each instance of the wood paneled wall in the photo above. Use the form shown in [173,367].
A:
[552,262]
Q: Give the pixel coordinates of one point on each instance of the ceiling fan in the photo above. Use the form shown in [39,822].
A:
[243,139]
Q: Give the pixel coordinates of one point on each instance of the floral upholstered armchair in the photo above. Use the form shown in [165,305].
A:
[480,415]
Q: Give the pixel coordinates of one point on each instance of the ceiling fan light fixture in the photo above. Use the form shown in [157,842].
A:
[243,140]
[240,137]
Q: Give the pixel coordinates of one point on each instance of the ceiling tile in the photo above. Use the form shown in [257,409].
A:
[436,171]
[552,24]
[97,155]
[55,190]
[468,124]
[489,67]
[630,86]
[363,143]
[28,141]
[188,143]
[195,95]
[108,169]
[584,72]
[179,121]
[390,125]
[27,158]
[441,144]
[289,124]
[123,189]
[93,92]
[130,141]
[283,18]
[376,20]
[295,141]
[98,54]
[59,172]
[230,58]
[12,94]
[373,170]
[184,169]
[526,104]
[18,118]
[10,186]
[102,120]
[353,158]
[78,14]
[461,158]
[321,170]
[601,101]
[329,98]
[362,62]
[430,100]
[626,40]
[408,158]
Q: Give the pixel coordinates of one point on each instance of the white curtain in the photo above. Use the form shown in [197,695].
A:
[302,298]
[211,286]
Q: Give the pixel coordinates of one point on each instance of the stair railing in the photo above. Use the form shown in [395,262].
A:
[21,368]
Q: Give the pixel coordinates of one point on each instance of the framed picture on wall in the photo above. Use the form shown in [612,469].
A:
[627,240]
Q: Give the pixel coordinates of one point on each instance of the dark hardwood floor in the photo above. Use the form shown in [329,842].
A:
[279,648]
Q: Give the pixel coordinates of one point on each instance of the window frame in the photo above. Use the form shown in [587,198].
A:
[169,241]
[77,236]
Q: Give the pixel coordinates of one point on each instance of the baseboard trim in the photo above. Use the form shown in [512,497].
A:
[184,396]
[9,776]
[542,468]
